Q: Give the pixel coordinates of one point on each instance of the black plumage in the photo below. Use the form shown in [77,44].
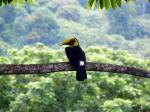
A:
[77,59]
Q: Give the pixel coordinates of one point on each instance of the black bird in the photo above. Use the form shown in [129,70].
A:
[76,57]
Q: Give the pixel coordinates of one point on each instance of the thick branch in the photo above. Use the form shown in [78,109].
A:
[8,69]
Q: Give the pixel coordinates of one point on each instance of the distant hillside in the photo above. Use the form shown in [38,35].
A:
[50,21]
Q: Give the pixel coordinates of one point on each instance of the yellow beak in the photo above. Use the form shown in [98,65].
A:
[66,41]
[62,44]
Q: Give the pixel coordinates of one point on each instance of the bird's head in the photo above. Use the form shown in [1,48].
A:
[71,42]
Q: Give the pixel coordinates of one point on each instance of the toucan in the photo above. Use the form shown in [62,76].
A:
[76,57]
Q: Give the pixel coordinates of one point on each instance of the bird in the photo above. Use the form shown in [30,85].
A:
[76,57]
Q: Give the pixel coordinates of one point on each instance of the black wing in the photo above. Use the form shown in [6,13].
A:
[75,55]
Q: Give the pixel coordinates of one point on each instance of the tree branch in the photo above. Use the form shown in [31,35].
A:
[9,69]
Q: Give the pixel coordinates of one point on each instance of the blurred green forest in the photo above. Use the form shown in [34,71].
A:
[60,92]
[49,22]
[32,34]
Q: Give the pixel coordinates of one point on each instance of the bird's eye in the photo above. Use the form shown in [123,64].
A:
[72,42]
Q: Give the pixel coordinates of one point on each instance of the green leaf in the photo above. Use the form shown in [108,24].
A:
[14,2]
[30,1]
[1,2]
[9,1]
[99,7]
[90,2]
[5,2]
[101,2]
[21,2]
[113,4]
[127,0]
[107,4]
[119,2]
[93,5]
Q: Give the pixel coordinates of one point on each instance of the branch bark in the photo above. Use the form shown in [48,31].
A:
[9,69]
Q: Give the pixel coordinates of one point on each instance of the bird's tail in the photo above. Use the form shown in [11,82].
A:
[81,74]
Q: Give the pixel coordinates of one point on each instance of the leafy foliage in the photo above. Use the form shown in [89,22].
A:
[61,92]
[91,3]
[106,3]
[6,2]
